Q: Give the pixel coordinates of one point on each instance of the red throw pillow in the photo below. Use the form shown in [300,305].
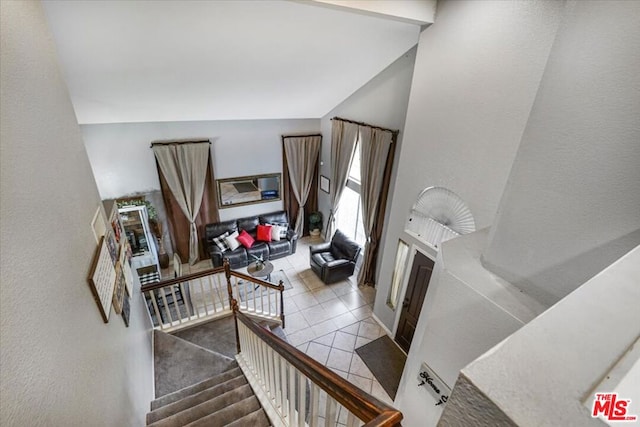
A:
[264,233]
[246,239]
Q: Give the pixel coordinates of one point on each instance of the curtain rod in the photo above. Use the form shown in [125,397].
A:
[301,136]
[186,141]
[395,132]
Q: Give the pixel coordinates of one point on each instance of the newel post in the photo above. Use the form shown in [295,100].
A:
[281,288]
[234,308]
[227,273]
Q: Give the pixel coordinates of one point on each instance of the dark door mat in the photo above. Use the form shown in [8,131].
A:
[386,362]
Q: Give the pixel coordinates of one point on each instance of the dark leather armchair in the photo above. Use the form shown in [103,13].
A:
[335,260]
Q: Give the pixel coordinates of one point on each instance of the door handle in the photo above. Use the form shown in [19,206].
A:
[405,303]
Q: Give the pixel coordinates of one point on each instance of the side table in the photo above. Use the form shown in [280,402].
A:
[264,272]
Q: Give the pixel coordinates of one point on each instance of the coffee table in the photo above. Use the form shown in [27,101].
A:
[264,272]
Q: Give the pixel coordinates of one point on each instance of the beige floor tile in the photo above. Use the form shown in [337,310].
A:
[341,288]
[318,352]
[363,383]
[295,322]
[290,306]
[315,314]
[301,336]
[324,328]
[362,312]
[334,307]
[345,319]
[307,273]
[353,300]
[323,294]
[305,300]
[297,287]
[303,347]
[326,339]
[351,329]
[339,359]
[313,282]
[344,341]
[360,341]
[371,331]
[358,367]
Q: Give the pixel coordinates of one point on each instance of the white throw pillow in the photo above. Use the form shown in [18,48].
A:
[275,232]
[232,241]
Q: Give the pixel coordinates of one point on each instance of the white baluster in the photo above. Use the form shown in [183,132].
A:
[166,306]
[330,412]
[283,388]
[175,304]
[152,295]
[352,421]
[315,404]
[211,294]
[292,394]
[302,399]
[182,286]
[202,297]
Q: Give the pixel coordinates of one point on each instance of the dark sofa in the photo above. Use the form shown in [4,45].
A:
[241,257]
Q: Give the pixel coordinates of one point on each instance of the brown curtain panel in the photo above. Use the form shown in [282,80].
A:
[178,222]
[290,203]
[368,268]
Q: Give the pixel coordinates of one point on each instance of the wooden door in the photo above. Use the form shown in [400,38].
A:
[414,297]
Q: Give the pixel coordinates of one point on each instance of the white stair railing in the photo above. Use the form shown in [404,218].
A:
[295,390]
[204,296]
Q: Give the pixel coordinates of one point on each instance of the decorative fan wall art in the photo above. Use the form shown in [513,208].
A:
[438,215]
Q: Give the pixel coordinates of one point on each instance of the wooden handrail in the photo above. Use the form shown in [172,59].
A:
[209,272]
[364,406]
[387,418]
[181,279]
[257,281]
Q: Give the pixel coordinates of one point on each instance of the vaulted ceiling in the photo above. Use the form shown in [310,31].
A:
[141,61]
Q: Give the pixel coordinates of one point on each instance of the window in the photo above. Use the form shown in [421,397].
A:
[349,216]
[398,274]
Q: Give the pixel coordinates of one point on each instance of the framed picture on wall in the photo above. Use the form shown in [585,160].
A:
[324,183]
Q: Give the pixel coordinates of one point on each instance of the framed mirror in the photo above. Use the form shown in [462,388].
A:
[245,190]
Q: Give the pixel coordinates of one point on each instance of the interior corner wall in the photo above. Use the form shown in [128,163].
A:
[477,71]
[123,163]
[381,102]
[61,364]
[572,204]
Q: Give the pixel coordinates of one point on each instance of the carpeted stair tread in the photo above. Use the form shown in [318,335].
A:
[230,406]
[229,414]
[255,419]
[218,335]
[196,399]
[195,388]
[180,363]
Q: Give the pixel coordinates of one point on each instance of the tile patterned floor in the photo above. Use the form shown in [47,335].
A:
[327,322]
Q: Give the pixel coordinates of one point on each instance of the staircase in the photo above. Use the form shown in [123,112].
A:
[198,383]
[223,400]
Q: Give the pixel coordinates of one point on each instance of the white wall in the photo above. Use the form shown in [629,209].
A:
[420,12]
[381,102]
[61,365]
[572,204]
[123,163]
[542,374]
[477,71]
